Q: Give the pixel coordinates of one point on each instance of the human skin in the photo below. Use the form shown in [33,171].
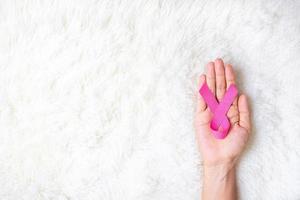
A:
[220,155]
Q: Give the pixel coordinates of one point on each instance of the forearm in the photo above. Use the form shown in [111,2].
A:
[219,182]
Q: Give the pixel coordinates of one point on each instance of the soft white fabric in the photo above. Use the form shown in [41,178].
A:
[97,97]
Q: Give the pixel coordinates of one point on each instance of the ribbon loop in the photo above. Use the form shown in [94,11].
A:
[219,124]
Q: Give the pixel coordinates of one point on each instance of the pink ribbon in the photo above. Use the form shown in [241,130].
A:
[219,124]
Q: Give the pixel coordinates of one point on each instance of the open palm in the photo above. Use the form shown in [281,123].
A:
[216,151]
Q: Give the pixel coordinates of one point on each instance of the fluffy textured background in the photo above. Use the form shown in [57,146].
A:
[96,97]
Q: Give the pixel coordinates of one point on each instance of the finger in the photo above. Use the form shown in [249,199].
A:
[233,116]
[229,75]
[201,105]
[211,77]
[230,79]
[220,79]
[244,112]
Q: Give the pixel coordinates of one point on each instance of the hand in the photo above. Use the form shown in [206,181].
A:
[221,151]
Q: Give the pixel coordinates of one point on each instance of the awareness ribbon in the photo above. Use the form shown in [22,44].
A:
[219,124]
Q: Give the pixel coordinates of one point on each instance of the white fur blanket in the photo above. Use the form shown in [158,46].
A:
[96,97]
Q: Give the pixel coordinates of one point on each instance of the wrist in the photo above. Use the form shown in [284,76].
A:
[218,171]
[219,181]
